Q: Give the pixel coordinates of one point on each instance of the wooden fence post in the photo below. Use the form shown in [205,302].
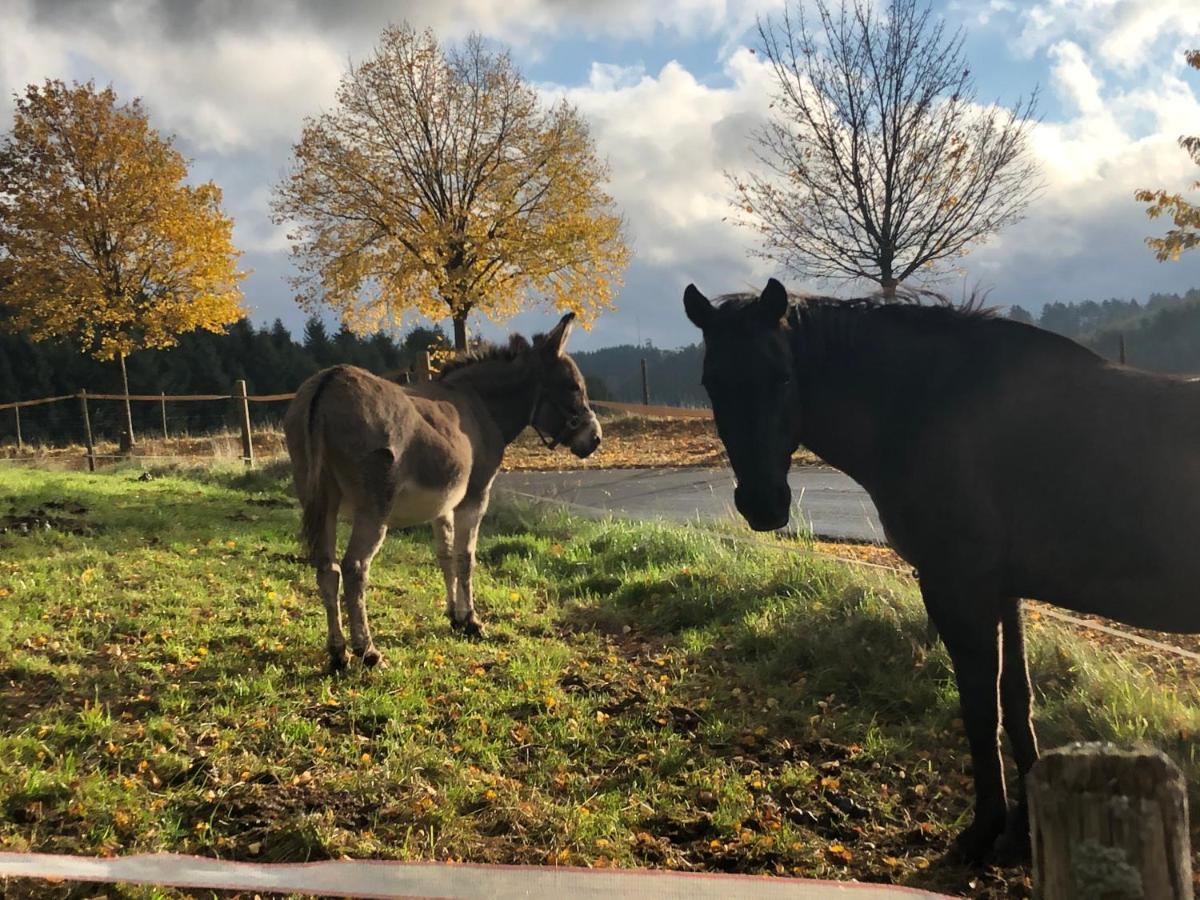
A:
[163,401]
[645,385]
[1121,347]
[1109,822]
[20,441]
[239,394]
[424,367]
[87,432]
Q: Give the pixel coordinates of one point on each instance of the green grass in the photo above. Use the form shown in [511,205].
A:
[646,696]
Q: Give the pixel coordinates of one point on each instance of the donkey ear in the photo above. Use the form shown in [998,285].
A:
[773,301]
[697,306]
[555,342]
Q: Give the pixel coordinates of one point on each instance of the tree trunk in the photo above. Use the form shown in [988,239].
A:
[460,331]
[1109,822]
[128,408]
[889,286]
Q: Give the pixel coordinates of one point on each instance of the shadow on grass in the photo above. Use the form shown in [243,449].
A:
[825,657]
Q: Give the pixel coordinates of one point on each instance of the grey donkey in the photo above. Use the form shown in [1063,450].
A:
[383,454]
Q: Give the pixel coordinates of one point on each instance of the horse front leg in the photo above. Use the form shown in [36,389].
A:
[443,533]
[366,536]
[970,628]
[1016,704]
[467,517]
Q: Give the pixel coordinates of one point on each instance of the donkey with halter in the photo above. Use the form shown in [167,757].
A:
[382,454]
[1005,462]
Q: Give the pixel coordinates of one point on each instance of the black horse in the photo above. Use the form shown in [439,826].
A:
[1005,462]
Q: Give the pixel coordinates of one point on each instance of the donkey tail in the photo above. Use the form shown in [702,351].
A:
[315,494]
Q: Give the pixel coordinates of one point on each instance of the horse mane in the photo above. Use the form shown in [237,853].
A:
[923,310]
[487,352]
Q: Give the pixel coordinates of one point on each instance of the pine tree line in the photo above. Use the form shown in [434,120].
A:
[269,359]
[1083,321]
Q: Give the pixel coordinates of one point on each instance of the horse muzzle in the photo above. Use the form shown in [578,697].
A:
[764,509]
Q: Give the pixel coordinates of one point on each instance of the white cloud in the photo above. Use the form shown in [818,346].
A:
[1084,236]
[234,79]
[1124,34]
[669,138]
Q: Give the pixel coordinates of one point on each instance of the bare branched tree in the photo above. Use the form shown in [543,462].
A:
[878,160]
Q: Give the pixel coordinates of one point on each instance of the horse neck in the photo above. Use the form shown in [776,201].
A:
[862,381]
[507,391]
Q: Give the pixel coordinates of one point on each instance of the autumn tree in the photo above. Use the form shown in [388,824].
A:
[1185,216]
[440,183]
[877,160]
[101,239]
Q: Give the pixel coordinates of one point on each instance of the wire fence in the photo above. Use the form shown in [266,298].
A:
[165,431]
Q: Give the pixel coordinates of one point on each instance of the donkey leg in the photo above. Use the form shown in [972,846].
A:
[443,532]
[467,517]
[366,536]
[1016,703]
[970,628]
[329,580]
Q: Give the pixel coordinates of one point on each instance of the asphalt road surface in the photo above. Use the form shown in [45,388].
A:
[831,505]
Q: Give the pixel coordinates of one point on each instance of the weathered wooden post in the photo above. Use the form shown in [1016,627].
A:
[87,432]
[645,385]
[20,440]
[1121,347]
[163,401]
[239,394]
[1109,822]
[424,367]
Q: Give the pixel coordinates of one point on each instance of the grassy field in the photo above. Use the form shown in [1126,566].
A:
[647,696]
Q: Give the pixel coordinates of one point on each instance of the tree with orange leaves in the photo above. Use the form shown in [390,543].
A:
[1184,215]
[441,183]
[101,239]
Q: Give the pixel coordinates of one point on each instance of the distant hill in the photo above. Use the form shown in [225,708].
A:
[1161,335]
[615,373]
[1164,341]
[1089,319]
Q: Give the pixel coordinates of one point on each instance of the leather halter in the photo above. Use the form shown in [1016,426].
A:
[572,422]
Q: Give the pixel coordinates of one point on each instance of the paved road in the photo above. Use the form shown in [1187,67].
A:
[831,504]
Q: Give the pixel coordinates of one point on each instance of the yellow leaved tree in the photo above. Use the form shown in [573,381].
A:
[440,183]
[1185,216]
[101,239]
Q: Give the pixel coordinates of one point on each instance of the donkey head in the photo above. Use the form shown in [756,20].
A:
[749,376]
[561,414]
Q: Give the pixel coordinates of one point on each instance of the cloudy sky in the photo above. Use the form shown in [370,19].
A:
[672,90]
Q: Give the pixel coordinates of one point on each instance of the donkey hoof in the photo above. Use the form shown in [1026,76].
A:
[337,661]
[472,628]
[371,657]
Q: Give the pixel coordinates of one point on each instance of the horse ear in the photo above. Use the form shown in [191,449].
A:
[773,301]
[556,341]
[698,307]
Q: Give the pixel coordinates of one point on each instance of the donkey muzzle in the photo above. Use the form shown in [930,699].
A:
[586,438]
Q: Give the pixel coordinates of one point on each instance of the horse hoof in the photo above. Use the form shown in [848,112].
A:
[1013,847]
[973,845]
[371,657]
